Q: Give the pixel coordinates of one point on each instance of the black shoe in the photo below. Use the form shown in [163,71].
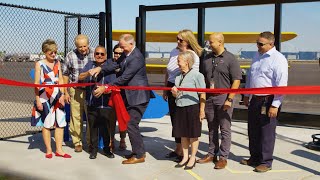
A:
[190,167]
[109,154]
[93,155]
[181,165]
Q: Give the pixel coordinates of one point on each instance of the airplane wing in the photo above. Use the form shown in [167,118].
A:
[230,37]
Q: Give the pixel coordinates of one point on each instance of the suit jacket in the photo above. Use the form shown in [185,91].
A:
[133,73]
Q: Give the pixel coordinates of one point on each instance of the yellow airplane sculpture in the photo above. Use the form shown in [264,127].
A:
[170,36]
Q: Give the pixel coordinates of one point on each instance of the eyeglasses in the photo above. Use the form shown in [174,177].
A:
[261,44]
[99,53]
[179,40]
[117,53]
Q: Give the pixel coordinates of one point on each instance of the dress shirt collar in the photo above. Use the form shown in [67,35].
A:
[130,52]
[270,52]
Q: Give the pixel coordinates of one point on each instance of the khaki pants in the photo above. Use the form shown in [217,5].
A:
[77,107]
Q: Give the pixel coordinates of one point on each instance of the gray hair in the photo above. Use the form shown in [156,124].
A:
[187,56]
[267,35]
[127,38]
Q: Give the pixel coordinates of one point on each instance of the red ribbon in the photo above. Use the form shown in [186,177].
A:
[265,90]
[123,117]
[116,102]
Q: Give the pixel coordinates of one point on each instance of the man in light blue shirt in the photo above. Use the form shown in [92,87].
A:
[269,68]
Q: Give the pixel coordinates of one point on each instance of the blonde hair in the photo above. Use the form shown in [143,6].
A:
[49,45]
[188,36]
[187,56]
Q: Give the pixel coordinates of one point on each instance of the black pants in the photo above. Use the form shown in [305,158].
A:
[261,131]
[136,112]
[98,119]
[172,108]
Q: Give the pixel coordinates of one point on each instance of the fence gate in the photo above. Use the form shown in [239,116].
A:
[22,31]
[89,25]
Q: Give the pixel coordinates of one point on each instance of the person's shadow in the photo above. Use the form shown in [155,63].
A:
[36,142]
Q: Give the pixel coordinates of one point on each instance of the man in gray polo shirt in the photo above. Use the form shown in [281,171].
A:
[221,70]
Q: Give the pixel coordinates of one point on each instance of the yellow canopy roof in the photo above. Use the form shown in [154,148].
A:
[230,37]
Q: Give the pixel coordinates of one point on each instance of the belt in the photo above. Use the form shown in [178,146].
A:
[264,97]
[213,95]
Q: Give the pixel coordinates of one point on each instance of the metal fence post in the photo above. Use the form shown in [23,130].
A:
[142,15]
[138,32]
[102,29]
[109,27]
[79,24]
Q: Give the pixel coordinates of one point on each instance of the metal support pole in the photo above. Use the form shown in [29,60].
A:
[201,26]
[109,28]
[65,36]
[102,29]
[142,15]
[138,32]
[79,24]
[277,25]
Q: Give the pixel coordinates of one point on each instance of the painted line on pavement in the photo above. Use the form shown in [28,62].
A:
[196,176]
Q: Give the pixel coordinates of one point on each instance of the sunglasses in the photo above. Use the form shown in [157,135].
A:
[117,53]
[261,44]
[98,53]
[53,52]
[179,40]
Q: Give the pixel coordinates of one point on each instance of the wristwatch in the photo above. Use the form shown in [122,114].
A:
[230,99]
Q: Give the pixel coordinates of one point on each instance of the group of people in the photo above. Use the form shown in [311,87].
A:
[189,66]
[219,69]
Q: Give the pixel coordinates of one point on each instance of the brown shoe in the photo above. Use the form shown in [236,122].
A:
[207,159]
[262,168]
[133,160]
[78,148]
[128,156]
[221,164]
[249,162]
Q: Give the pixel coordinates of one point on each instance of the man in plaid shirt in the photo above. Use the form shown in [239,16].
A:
[73,64]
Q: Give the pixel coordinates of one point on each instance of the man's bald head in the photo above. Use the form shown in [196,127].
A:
[216,41]
[218,36]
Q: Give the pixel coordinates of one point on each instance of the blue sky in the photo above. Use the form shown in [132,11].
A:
[302,18]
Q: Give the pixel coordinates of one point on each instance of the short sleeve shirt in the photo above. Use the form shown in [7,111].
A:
[193,79]
[222,70]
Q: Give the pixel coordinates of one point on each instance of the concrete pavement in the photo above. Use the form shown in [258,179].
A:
[24,158]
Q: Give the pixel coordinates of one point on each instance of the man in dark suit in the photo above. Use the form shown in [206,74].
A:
[133,73]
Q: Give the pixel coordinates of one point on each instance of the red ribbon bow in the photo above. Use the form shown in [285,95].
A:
[116,102]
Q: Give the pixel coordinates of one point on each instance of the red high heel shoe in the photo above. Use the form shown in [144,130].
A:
[64,156]
[49,156]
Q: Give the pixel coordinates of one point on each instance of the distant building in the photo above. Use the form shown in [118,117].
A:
[302,55]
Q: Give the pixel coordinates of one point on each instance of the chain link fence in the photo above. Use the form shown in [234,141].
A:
[22,31]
